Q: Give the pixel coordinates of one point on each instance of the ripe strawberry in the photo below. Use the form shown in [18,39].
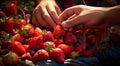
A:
[57,55]
[2,14]
[7,25]
[58,31]
[79,34]
[87,53]
[10,9]
[74,54]
[36,42]
[48,46]
[48,36]
[93,39]
[27,30]
[70,38]
[58,42]
[18,23]
[15,1]
[81,47]
[10,59]
[40,55]
[17,47]
[90,32]
[27,47]
[27,56]
[99,32]
[18,37]
[38,31]
[67,49]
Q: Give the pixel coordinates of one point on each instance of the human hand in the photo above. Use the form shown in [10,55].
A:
[87,16]
[46,14]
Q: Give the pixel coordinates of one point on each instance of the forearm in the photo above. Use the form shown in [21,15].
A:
[38,1]
[112,16]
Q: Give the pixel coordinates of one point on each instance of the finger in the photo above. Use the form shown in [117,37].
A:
[40,19]
[47,17]
[52,12]
[66,14]
[72,22]
[58,10]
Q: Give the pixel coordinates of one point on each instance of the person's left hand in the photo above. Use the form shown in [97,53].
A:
[46,14]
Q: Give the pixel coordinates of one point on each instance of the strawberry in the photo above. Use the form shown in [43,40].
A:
[18,37]
[70,38]
[27,47]
[10,59]
[2,14]
[38,31]
[36,42]
[79,34]
[67,49]
[40,55]
[58,42]
[74,54]
[27,56]
[100,32]
[17,47]
[15,2]
[48,46]
[7,25]
[27,30]
[48,36]
[10,9]
[57,55]
[18,23]
[87,53]
[90,32]
[58,31]
[81,47]
[93,39]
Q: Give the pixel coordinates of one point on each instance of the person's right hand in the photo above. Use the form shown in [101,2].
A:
[46,14]
[87,16]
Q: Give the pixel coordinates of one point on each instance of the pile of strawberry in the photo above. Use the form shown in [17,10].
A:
[19,39]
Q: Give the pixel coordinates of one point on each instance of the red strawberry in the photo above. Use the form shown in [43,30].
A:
[58,42]
[17,47]
[15,1]
[81,47]
[10,59]
[58,31]
[2,14]
[74,54]
[38,31]
[10,9]
[48,36]
[70,38]
[57,55]
[67,49]
[48,46]
[18,37]
[79,34]
[18,23]
[40,55]
[99,32]
[93,39]
[27,56]
[7,25]
[87,53]
[27,47]
[27,30]
[90,32]
[36,42]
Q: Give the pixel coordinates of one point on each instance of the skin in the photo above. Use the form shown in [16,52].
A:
[45,15]
[89,16]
